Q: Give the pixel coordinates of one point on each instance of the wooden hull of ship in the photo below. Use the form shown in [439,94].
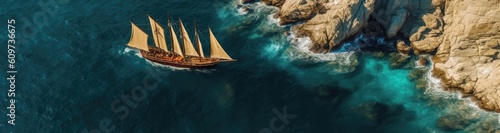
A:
[194,62]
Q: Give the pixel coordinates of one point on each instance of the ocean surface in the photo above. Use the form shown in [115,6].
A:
[75,74]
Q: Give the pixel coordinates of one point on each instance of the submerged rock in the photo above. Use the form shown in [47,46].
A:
[377,54]
[342,67]
[398,60]
[453,122]
[487,125]
[330,92]
[381,113]
[416,74]
[422,61]
[459,116]
[373,111]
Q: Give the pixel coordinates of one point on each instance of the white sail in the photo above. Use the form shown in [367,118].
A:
[216,50]
[175,42]
[198,42]
[138,38]
[158,34]
[188,45]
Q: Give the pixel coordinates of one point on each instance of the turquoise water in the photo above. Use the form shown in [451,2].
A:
[75,66]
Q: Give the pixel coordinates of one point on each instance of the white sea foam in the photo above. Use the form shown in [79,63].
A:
[258,9]
[204,70]
[434,87]
[131,51]
[271,19]
[473,105]
[242,11]
[498,120]
[167,67]
[301,44]
[180,68]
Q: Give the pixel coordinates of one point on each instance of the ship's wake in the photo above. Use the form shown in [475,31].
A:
[131,51]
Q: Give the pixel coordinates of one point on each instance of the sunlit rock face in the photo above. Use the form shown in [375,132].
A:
[334,22]
[329,22]
[420,21]
[468,57]
[326,22]
[277,3]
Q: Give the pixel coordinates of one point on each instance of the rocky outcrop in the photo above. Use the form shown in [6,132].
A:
[468,57]
[340,20]
[453,122]
[403,48]
[276,3]
[381,113]
[329,22]
[294,11]
[418,20]
[459,116]
[464,36]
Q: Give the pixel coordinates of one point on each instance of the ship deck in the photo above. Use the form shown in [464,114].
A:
[166,58]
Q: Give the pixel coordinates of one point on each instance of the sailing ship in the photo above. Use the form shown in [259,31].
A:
[189,57]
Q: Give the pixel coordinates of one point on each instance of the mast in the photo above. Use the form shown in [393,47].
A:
[158,34]
[138,38]
[175,43]
[216,51]
[186,41]
[198,42]
[170,27]
[182,37]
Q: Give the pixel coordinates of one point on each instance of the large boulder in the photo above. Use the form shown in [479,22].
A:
[468,57]
[341,20]
[418,20]
[298,10]
[396,23]
[403,48]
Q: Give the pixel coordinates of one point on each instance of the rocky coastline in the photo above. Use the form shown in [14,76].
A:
[463,36]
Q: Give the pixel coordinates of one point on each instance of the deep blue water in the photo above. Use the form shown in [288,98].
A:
[73,65]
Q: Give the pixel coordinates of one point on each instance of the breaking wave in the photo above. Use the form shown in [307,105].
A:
[128,50]
[434,87]
[301,45]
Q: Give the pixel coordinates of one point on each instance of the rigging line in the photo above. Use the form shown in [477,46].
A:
[204,39]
